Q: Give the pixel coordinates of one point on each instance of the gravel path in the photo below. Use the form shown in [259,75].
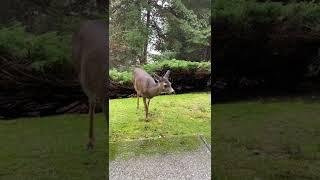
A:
[187,165]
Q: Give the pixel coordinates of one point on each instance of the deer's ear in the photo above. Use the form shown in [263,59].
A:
[156,77]
[167,74]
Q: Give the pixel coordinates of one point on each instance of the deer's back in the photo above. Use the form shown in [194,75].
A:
[142,80]
[90,56]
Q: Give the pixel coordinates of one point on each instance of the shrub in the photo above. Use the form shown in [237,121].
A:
[43,51]
[177,65]
[13,40]
[245,14]
[263,47]
[125,77]
[49,50]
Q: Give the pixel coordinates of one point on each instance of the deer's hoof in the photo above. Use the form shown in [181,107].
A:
[90,146]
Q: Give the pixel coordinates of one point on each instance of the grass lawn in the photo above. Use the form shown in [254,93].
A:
[274,139]
[174,122]
[51,148]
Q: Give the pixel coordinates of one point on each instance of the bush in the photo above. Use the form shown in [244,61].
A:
[13,41]
[186,76]
[177,65]
[44,51]
[245,14]
[125,77]
[50,49]
[263,47]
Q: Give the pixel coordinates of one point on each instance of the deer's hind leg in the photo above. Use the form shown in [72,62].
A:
[138,100]
[145,107]
[148,102]
[91,142]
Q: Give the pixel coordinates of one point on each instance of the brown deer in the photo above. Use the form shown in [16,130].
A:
[90,58]
[147,88]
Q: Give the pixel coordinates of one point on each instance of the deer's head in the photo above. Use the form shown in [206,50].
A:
[164,82]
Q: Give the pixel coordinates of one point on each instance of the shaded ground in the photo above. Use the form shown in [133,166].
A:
[163,164]
[51,148]
[269,139]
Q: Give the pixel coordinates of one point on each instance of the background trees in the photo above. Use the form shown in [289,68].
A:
[140,30]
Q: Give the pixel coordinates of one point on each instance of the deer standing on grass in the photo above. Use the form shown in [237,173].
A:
[90,58]
[147,88]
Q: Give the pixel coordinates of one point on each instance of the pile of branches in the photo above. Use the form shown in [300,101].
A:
[118,90]
[27,92]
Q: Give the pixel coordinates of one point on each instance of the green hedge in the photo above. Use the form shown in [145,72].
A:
[125,77]
[263,48]
[44,51]
[246,13]
[122,77]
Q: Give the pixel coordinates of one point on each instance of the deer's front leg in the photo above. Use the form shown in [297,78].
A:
[148,102]
[145,107]
[138,101]
[91,128]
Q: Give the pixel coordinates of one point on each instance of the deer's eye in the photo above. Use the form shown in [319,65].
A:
[166,85]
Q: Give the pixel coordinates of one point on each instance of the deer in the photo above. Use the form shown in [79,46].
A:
[146,87]
[90,60]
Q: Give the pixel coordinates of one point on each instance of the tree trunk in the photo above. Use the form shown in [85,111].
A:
[145,48]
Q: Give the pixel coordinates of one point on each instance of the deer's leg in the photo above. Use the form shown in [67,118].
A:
[145,107]
[148,103]
[138,101]
[91,128]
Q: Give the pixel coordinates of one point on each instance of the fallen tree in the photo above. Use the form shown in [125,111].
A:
[27,92]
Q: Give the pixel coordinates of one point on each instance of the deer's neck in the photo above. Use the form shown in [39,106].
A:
[155,90]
